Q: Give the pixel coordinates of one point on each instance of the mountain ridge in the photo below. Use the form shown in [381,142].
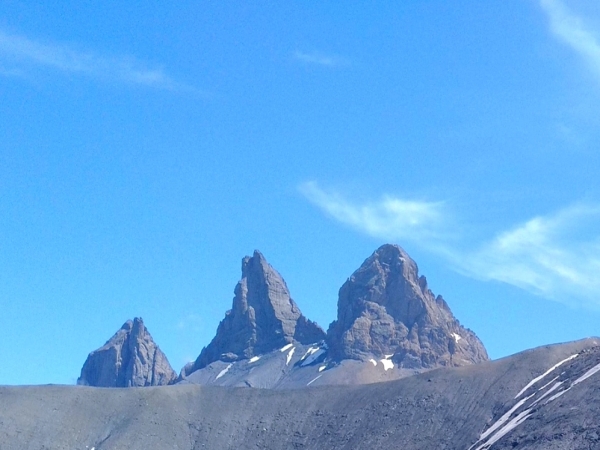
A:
[451,408]
[323,394]
[389,325]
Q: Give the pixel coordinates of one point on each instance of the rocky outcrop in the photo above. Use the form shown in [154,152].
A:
[386,310]
[130,358]
[263,318]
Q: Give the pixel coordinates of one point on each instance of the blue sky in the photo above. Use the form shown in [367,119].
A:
[147,148]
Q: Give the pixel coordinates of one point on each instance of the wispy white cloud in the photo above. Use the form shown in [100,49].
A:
[572,30]
[555,256]
[21,52]
[389,218]
[320,59]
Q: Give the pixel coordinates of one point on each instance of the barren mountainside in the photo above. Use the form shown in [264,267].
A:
[542,399]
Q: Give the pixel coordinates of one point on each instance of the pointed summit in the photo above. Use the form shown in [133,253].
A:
[386,310]
[130,358]
[263,318]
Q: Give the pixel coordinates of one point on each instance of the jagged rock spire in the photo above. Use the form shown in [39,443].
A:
[263,318]
[129,358]
[385,309]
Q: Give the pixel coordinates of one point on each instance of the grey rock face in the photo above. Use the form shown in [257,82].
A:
[386,310]
[263,318]
[130,358]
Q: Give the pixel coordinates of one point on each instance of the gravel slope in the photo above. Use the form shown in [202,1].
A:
[441,409]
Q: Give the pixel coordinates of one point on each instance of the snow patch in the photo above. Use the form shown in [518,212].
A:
[502,420]
[224,371]
[505,424]
[547,393]
[555,396]
[313,380]
[253,359]
[511,425]
[583,377]
[310,351]
[374,362]
[313,356]
[547,372]
[548,384]
[387,364]
[322,368]
[456,337]
[285,347]
[289,355]
[586,375]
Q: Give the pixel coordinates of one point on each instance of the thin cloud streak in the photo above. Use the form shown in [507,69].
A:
[21,50]
[389,218]
[572,30]
[555,256]
[320,59]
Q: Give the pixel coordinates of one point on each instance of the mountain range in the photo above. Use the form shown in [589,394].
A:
[389,325]
[394,370]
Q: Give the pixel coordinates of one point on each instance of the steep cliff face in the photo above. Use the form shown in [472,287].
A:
[263,318]
[386,310]
[389,326]
[130,358]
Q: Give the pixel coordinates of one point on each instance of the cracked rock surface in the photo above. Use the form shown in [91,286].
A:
[386,310]
[130,358]
[263,318]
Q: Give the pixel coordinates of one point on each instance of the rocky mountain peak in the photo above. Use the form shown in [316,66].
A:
[129,358]
[263,318]
[386,310]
